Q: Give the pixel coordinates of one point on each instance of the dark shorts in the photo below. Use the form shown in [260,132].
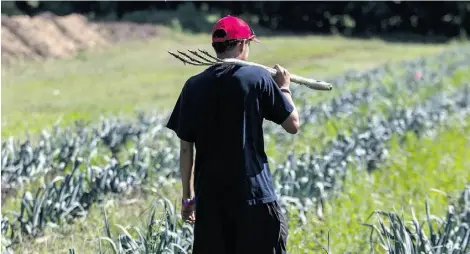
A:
[221,229]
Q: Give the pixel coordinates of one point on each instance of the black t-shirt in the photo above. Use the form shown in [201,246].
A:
[221,110]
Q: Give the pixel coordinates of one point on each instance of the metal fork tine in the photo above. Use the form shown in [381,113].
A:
[191,58]
[179,58]
[202,57]
[209,55]
[185,61]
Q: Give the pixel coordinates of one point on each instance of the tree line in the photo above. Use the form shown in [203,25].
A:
[445,18]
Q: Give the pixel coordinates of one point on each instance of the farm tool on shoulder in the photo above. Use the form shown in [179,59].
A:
[203,58]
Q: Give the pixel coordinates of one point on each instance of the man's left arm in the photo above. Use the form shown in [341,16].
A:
[182,123]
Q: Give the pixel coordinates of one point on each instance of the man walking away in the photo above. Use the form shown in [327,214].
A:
[228,191]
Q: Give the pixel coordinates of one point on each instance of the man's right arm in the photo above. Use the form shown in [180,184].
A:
[278,105]
[292,123]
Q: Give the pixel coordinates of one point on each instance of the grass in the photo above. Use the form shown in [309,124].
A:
[409,176]
[142,75]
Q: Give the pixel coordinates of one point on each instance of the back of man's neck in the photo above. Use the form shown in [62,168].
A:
[225,56]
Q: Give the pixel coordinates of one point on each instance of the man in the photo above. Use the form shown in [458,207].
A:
[228,190]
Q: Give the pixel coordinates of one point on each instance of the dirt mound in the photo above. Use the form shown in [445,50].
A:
[50,36]
[126,31]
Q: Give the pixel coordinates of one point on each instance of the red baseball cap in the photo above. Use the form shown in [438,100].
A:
[234,28]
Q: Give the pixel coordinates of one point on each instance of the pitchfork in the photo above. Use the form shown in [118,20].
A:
[204,58]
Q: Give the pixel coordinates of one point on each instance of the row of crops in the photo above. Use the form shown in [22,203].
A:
[62,173]
[450,235]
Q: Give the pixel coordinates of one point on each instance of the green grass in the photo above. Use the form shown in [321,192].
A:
[406,179]
[142,75]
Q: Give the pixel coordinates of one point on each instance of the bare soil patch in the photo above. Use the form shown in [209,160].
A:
[50,36]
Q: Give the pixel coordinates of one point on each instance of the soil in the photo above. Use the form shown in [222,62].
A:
[50,36]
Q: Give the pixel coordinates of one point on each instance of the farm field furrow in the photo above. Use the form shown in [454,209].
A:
[82,187]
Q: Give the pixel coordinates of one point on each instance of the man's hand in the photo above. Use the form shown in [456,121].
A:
[188,212]
[282,77]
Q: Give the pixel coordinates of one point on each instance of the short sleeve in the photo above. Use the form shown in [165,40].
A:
[276,107]
[180,120]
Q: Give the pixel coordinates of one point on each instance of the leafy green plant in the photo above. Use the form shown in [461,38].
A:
[163,233]
[449,235]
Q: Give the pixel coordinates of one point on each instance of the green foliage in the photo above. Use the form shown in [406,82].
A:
[415,168]
[450,234]
[162,234]
[449,19]
[185,18]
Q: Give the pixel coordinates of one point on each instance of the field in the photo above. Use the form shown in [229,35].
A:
[387,148]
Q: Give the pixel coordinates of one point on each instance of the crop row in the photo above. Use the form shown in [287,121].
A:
[437,235]
[385,85]
[308,180]
[22,162]
[57,150]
